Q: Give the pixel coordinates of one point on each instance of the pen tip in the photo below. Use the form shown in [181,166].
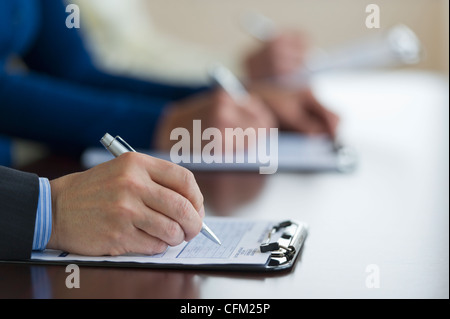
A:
[216,240]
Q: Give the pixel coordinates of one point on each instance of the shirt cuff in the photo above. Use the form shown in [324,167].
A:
[43,226]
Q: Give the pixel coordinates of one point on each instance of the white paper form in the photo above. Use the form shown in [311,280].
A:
[240,245]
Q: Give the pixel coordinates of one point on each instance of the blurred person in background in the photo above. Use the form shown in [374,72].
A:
[51,90]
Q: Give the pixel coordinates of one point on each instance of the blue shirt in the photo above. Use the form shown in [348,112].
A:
[43,226]
[61,98]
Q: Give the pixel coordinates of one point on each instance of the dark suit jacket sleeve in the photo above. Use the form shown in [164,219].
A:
[19,195]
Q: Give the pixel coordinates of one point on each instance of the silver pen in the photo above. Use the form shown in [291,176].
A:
[223,77]
[117,146]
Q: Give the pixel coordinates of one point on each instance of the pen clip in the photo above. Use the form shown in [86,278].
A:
[125,143]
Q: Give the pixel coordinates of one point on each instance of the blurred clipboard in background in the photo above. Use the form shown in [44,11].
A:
[296,153]
[398,45]
[247,245]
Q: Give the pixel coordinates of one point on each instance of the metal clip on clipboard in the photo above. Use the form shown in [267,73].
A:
[285,249]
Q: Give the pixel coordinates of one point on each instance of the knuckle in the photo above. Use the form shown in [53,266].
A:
[196,228]
[159,247]
[199,200]
[124,210]
[184,209]
[134,185]
[127,161]
[116,238]
[163,194]
[129,182]
[188,178]
[174,170]
[131,158]
[174,234]
[124,179]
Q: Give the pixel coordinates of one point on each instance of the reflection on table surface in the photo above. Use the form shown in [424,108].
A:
[97,282]
[225,192]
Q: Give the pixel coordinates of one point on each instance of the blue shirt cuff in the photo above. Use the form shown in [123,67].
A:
[43,226]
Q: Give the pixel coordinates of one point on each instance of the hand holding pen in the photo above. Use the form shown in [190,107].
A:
[295,109]
[117,146]
[132,204]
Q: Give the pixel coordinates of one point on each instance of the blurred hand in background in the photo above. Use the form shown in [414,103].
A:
[295,109]
[215,109]
[279,56]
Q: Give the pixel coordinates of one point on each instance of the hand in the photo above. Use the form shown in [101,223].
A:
[298,110]
[134,203]
[215,109]
[277,57]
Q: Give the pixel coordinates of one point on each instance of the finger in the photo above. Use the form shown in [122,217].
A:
[201,213]
[332,122]
[176,178]
[161,227]
[174,207]
[310,125]
[141,242]
[327,119]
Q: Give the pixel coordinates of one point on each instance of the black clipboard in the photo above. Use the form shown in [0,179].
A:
[284,252]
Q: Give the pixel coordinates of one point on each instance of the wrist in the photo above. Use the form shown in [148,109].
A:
[55,192]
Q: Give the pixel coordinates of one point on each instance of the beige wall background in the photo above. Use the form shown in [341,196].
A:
[213,23]
[177,39]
